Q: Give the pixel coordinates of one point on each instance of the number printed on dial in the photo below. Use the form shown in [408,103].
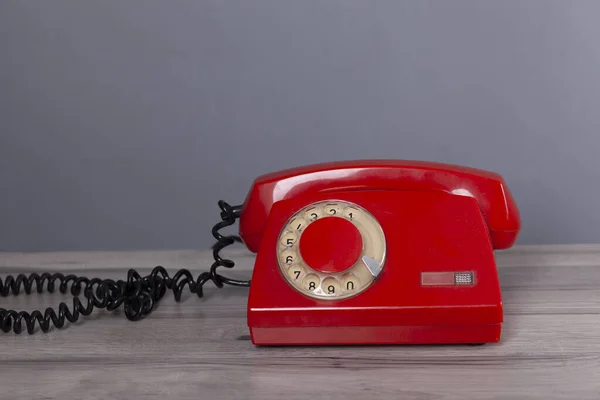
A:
[335,285]
[332,209]
[296,272]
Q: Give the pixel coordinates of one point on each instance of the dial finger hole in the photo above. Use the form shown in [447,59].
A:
[298,224]
[288,257]
[350,282]
[330,286]
[332,209]
[313,213]
[351,213]
[296,273]
[311,282]
[288,239]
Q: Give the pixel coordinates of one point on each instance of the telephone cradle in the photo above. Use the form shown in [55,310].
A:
[377,252]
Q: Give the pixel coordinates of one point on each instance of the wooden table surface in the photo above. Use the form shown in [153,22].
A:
[200,348]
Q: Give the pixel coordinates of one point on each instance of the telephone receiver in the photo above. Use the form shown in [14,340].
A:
[377,252]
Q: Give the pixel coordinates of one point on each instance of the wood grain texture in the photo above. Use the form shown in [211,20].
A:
[200,349]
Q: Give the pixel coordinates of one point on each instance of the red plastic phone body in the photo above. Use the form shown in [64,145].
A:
[435,218]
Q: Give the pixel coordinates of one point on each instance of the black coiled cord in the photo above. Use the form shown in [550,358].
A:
[137,294]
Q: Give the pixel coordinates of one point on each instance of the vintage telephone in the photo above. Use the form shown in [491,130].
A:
[355,252]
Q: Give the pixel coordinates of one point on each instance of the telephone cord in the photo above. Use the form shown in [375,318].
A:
[138,294]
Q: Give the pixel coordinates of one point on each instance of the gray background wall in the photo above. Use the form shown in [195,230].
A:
[123,123]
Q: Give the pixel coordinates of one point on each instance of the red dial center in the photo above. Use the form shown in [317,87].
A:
[331,244]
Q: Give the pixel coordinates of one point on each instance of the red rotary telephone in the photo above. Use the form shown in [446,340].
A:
[361,252]
[377,252]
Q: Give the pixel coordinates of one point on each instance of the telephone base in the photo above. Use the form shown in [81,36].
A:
[373,335]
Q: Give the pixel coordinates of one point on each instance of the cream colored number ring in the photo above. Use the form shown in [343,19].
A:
[331,286]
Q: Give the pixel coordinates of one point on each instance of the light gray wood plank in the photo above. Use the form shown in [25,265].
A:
[200,348]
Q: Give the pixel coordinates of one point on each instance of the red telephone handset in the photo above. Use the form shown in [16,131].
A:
[494,198]
[377,251]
